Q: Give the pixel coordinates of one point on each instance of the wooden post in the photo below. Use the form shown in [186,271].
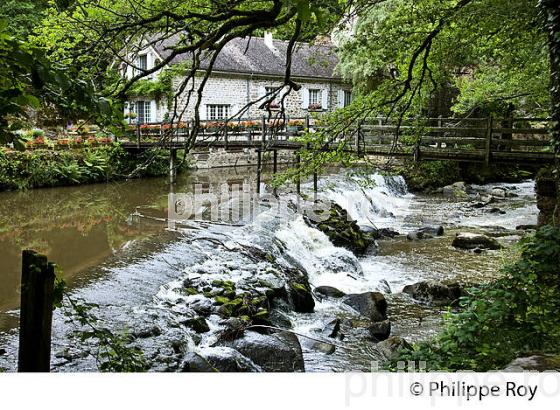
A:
[315,185]
[226,135]
[439,133]
[488,156]
[263,130]
[298,179]
[37,285]
[172,166]
[307,123]
[275,161]
[138,134]
[417,150]
[259,159]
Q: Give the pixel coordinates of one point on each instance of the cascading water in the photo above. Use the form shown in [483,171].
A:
[144,289]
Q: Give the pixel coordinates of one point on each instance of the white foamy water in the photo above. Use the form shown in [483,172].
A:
[150,290]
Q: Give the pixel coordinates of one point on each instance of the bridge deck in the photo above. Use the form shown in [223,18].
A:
[519,141]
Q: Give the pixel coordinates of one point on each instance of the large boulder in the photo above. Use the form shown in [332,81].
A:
[469,241]
[335,222]
[390,348]
[372,305]
[425,232]
[456,190]
[300,296]
[380,330]
[329,292]
[278,352]
[434,293]
[218,359]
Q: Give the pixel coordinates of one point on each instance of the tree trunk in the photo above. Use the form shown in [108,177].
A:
[551,14]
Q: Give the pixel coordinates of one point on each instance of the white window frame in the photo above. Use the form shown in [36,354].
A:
[143,111]
[315,96]
[218,111]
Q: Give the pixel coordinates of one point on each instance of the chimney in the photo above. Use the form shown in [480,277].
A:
[268,41]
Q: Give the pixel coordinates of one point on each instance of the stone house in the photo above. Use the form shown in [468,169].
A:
[246,70]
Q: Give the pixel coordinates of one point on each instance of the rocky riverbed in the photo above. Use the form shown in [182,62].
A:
[369,270]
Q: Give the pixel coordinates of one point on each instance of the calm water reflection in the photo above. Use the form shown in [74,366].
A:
[80,227]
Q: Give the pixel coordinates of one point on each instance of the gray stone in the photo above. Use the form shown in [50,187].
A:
[380,331]
[467,240]
[390,348]
[218,359]
[434,293]
[278,352]
[369,304]
[329,292]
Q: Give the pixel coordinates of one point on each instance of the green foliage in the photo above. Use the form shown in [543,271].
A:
[515,315]
[492,51]
[47,168]
[429,174]
[22,15]
[28,79]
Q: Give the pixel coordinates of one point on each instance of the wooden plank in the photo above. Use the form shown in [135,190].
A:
[37,286]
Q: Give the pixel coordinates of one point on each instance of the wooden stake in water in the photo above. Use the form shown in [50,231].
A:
[37,286]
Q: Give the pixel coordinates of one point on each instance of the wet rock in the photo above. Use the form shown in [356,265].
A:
[535,363]
[218,359]
[278,352]
[198,324]
[526,227]
[498,192]
[432,230]
[332,329]
[380,331]
[456,190]
[388,233]
[369,304]
[280,319]
[151,331]
[418,235]
[342,230]
[469,241]
[434,293]
[496,211]
[390,348]
[301,296]
[384,286]
[343,261]
[202,306]
[329,292]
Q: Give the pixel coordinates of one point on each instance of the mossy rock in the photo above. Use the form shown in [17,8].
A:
[198,324]
[220,300]
[191,291]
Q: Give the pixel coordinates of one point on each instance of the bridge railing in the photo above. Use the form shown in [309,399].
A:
[476,139]
[212,131]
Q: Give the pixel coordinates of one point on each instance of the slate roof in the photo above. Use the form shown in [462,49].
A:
[253,56]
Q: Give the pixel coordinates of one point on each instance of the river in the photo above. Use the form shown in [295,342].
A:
[117,251]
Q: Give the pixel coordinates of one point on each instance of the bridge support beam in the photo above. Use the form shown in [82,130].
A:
[298,179]
[259,168]
[172,166]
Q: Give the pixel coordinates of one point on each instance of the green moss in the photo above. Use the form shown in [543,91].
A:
[221,300]
[191,291]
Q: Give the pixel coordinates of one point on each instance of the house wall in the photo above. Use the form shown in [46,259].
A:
[238,90]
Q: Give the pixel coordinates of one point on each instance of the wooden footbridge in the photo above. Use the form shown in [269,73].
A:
[523,141]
